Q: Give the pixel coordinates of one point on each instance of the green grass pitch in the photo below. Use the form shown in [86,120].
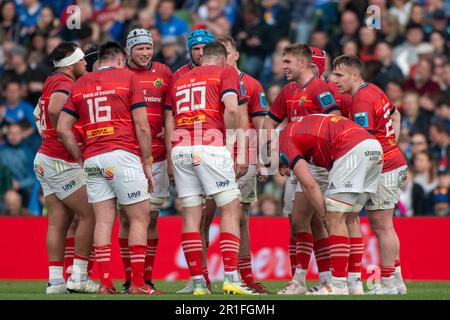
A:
[35,290]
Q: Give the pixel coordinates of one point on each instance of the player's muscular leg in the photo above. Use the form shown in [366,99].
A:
[335,223]
[105,216]
[124,224]
[73,227]
[59,219]
[318,228]
[152,227]
[382,225]
[291,227]
[192,218]
[84,232]
[207,219]
[302,213]
[139,218]
[244,249]
[231,214]
[352,222]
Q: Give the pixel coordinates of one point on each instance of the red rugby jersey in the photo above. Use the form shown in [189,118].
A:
[295,101]
[320,139]
[372,109]
[187,68]
[102,101]
[155,80]
[51,146]
[197,101]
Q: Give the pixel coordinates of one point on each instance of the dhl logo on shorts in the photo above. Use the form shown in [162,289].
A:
[100,132]
[190,120]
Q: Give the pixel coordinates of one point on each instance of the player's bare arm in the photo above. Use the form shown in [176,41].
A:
[169,127]
[396,123]
[310,187]
[258,124]
[242,168]
[64,130]
[57,101]
[143,135]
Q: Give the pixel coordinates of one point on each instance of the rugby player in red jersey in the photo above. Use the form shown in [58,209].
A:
[205,103]
[356,243]
[318,62]
[372,110]
[109,105]
[62,179]
[354,160]
[197,39]
[257,110]
[306,94]
[155,78]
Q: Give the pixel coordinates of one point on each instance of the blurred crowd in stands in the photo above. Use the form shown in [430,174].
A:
[408,57]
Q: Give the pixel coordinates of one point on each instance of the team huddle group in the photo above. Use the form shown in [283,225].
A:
[117,128]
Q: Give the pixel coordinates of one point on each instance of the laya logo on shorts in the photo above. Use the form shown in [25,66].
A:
[134,195]
[223,183]
[107,131]
[191,120]
[69,185]
[326,99]
[361,118]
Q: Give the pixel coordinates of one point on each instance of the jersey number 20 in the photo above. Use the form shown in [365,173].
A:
[188,96]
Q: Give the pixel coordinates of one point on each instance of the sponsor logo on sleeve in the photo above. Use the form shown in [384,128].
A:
[361,118]
[242,87]
[263,100]
[326,99]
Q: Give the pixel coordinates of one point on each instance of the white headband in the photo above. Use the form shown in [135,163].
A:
[76,56]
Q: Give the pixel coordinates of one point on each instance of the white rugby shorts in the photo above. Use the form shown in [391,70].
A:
[57,176]
[203,170]
[116,174]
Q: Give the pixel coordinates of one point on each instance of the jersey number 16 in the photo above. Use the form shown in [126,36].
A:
[98,113]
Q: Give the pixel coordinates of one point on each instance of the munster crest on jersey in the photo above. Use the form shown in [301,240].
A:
[158,83]
[302,100]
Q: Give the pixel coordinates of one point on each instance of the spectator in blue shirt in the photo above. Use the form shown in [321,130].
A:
[17,110]
[17,157]
[29,12]
[167,23]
